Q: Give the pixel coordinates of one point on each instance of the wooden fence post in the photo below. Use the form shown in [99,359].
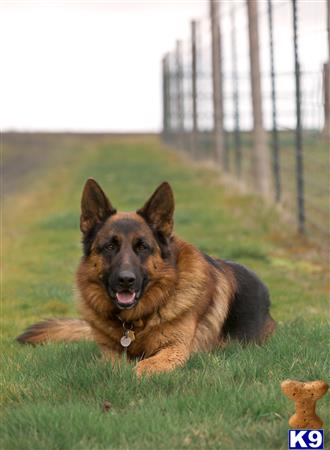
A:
[194,87]
[326,100]
[237,133]
[218,129]
[261,173]
[179,93]
[326,83]
[166,97]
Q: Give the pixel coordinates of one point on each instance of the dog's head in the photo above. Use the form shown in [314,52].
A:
[125,251]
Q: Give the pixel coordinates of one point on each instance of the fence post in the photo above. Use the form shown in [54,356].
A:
[218,129]
[194,86]
[260,156]
[165,97]
[179,93]
[171,96]
[299,150]
[326,100]
[326,83]
[275,141]
[237,134]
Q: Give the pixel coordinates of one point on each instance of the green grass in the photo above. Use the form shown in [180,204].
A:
[53,395]
[316,163]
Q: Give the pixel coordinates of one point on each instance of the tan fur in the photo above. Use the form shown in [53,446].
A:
[269,329]
[57,330]
[209,327]
[183,308]
[182,311]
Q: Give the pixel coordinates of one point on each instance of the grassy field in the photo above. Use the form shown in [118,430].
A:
[316,162]
[53,396]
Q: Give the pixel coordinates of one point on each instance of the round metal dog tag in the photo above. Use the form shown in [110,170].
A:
[125,341]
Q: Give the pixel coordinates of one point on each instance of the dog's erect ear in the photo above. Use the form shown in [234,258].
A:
[159,209]
[95,206]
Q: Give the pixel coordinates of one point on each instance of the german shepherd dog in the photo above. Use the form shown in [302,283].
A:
[146,292]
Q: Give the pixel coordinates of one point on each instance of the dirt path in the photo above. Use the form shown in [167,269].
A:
[23,154]
[26,153]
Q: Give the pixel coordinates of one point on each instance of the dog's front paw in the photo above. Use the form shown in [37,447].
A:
[149,367]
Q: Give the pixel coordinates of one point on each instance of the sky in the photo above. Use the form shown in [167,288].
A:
[86,65]
[95,66]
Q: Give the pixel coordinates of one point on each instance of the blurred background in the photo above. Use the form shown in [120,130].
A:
[229,102]
[248,89]
[240,85]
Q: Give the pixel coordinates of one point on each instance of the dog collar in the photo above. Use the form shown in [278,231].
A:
[128,331]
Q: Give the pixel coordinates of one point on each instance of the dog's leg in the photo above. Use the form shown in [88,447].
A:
[110,351]
[111,355]
[174,348]
[165,360]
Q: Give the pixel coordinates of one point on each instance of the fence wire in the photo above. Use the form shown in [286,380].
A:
[294,86]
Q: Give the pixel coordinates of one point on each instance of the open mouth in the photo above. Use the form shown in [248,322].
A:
[126,300]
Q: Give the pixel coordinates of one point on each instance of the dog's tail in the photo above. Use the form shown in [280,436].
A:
[56,330]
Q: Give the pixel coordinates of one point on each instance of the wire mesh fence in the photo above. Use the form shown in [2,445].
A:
[248,89]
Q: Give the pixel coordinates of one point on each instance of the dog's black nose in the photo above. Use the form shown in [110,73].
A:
[126,278]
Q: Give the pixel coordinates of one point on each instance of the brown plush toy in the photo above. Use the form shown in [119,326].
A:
[305,396]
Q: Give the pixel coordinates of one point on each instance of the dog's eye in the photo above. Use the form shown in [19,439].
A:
[110,247]
[141,246]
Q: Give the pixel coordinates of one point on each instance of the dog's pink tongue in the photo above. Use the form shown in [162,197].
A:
[125,297]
